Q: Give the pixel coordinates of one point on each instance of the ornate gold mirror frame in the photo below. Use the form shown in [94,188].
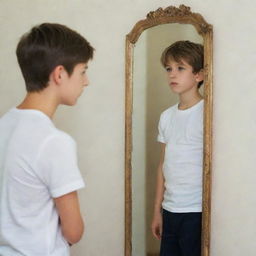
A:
[181,15]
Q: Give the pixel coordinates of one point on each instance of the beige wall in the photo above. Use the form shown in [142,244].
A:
[97,122]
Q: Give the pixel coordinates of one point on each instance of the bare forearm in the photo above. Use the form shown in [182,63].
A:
[156,225]
[160,183]
[71,222]
[74,234]
[159,191]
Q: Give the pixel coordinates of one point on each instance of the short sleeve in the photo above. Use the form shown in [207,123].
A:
[57,167]
[160,136]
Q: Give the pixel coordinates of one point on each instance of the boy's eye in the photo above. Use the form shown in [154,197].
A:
[168,69]
[181,68]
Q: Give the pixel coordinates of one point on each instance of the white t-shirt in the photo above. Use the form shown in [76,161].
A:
[182,132]
[38,162]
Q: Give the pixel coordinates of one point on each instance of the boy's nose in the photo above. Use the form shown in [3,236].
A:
[172,74]
[86,81]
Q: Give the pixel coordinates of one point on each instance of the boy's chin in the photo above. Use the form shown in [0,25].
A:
[69,103]
[175,90]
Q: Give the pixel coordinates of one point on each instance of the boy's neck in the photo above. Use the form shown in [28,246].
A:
[40,101]
[188,100]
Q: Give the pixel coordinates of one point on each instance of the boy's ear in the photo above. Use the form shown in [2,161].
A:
[58,74]
[200,76]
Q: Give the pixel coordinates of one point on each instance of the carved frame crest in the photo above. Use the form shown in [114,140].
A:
[182,15]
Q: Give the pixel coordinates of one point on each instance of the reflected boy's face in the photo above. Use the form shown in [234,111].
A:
[181,78]
[74,84]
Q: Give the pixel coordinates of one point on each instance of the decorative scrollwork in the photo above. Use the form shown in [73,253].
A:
[170,11]
[170,14]
[205,28]
[180,14]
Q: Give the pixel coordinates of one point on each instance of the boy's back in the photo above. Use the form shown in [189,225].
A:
[39,176]
[38,163]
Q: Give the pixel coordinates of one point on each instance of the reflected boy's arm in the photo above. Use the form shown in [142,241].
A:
[71,221]
[156,225]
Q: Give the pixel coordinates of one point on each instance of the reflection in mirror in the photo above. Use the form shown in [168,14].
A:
[151,96]
[147,95]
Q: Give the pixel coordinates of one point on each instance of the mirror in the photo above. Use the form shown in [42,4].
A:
[147,95]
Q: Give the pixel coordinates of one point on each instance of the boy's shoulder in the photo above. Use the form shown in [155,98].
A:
[47,133]
[60,139]
[169,111]
[32,127]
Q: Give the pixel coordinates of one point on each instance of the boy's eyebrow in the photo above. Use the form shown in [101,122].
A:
[178,63]
[182,63]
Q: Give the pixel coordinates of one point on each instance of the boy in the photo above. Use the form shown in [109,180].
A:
[178,201]
[39,208]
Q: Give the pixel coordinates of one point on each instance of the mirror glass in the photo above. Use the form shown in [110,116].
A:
[151,96]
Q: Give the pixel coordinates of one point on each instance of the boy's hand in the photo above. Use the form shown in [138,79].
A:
[156,225]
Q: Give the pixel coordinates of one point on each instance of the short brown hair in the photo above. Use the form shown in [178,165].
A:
[46,46]
[192,53]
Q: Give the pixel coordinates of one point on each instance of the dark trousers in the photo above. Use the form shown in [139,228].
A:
[181,234]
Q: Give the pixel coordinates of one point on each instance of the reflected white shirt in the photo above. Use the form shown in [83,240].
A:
[182,132]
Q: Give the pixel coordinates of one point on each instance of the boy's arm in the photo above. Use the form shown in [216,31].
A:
[71,221]
[156,225]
